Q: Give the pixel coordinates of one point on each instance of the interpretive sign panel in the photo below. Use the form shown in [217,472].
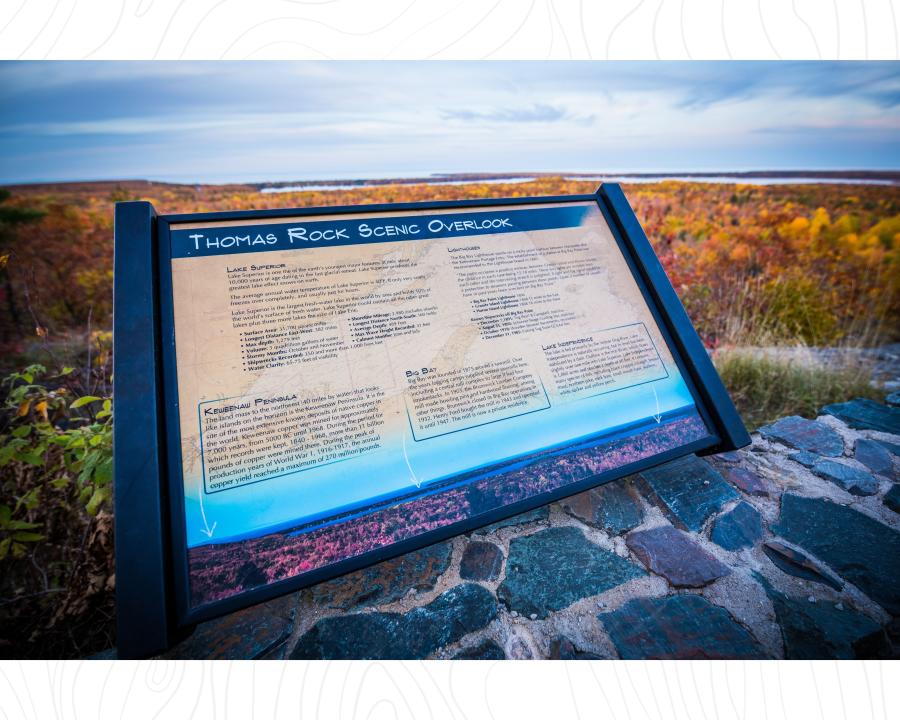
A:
[344,385]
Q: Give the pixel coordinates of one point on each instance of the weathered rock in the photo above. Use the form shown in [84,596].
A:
[485,650]
[108,654]
[481,561]
[820,631]
[851,479]
[612,507]
[672,554]
[246,634]
[793,562]
[867,415]
[892,448]
[387,581]
[860,549]
[392,636]
[688,490]
[536,515]
[561,648]
[519,644]
[740,527]
[874,456]
[893,398]
[893,632]
[748,482]
[730,457]
[682,627]
[802,434]
[892,498]
[553,568]
[806,459]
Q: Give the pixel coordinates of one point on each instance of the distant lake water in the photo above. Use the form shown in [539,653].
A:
[722,179]
[352,186]
[737,180]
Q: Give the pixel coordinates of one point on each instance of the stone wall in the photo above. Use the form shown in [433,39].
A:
[787,548]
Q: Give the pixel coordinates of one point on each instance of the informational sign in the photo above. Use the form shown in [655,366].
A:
[343,386]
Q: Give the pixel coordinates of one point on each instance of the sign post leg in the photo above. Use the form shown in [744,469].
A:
[144,618]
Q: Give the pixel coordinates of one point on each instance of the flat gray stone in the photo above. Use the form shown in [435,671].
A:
[821,631]
[561,648]
[892,448]
[806,459]
[680,627]
[874,456]
[485,650]
[243,635]
[387,581]
[108,654]
[793,562]
[802,434]
[858,548]
[553,568]
[392,636]
[892,498]
[688,491]
[867,415]
[740,527]
[536,515]
[851,479]
[748,482]
[672,554]
[612,507]
[481,561]
[730,457]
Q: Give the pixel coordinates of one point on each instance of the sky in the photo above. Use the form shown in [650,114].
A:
[280,121]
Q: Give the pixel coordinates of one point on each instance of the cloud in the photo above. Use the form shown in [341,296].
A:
[536,113]
[279,120]
[699,85]
[889,127]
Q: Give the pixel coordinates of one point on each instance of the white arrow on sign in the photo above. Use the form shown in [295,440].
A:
[206,528]
[658,416]
[406,457]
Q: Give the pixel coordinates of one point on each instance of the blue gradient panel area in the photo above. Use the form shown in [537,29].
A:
[344,486]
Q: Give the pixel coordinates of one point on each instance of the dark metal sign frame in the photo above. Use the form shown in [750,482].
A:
[151,549]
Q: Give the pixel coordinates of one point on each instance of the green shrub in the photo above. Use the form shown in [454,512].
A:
[55,524]
[766,388]
[798,309]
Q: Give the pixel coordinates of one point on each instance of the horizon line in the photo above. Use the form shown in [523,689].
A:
[832,173]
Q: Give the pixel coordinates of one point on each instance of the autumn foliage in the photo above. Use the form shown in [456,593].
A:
[809,265]
[812,264]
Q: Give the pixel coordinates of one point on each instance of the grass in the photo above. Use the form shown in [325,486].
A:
[766,388]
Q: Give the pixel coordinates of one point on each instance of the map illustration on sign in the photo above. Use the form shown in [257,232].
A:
[349,381]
